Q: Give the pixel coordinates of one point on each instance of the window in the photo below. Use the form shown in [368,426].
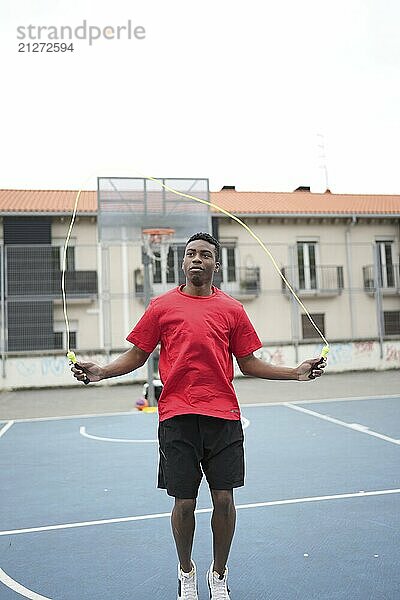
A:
[167,268]
[308,330]
[58,256]
[385,264]
[391,321]
[228,264]
[307,265]
[60,335]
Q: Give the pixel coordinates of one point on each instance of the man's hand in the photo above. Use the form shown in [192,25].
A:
[310,369]
[129,361]
[89,370]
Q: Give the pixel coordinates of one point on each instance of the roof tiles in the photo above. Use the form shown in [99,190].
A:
[245,203]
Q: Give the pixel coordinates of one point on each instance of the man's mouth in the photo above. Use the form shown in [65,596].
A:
[195,269]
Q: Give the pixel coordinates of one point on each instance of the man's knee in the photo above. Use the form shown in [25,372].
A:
[223,500]
[185,506]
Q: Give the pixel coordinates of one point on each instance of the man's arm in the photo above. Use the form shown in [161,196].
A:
[127,362]
[250,365]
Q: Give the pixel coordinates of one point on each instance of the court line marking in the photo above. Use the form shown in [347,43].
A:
[20,589]
[82,431]
[361,494]
[243,404]
[83,416]
[352,426]
[6,427]
[320,400]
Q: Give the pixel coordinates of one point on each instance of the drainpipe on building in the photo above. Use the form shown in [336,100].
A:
[350,274]
[378,298]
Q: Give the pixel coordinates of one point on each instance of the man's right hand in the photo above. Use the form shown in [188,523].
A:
[89,370]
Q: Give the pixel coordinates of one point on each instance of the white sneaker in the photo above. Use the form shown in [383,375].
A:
[187,584]
[218,587]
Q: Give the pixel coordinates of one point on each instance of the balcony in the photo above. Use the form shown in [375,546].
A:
[45,284]
[243,282]
[319,281]
[388,279]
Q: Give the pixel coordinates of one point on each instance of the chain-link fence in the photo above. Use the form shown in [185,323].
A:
[352,292]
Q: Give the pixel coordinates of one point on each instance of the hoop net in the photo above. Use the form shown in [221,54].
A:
[154,239]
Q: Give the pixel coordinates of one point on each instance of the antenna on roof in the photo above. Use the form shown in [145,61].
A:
[321,172]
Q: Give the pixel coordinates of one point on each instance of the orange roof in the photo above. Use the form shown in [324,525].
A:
[46,201]
[239,203]
[305,203]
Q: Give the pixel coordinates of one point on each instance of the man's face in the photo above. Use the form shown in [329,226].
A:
[199,262]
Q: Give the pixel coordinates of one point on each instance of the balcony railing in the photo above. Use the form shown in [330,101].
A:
[388,278]
[78,284]
[324,280]
[240,282]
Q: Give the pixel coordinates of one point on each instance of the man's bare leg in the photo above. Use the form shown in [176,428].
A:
[223,523]
[183,526]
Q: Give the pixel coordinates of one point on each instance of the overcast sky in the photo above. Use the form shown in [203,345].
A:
[234,91]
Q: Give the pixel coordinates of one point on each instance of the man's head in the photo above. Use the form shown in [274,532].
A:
[201,259]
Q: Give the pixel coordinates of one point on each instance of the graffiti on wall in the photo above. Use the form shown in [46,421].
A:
[392,353]
[29,371]
[274,356]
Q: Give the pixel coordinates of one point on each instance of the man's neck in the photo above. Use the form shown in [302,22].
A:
[194,290]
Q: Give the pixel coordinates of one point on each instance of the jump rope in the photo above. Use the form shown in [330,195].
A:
[71,354]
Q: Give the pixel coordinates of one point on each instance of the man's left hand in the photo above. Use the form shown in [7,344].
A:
[311,369]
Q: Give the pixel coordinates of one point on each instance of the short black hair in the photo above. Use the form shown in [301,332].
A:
[207,238]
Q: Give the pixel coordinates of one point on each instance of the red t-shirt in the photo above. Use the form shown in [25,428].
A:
[198,335]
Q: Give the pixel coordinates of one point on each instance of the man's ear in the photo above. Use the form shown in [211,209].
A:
[217,266]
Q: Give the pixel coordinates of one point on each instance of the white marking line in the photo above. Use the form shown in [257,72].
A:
[6,427]
[199,511]
[20,589]
[82,431]
[320,400]
[82,416]
[245,404]
[353,426]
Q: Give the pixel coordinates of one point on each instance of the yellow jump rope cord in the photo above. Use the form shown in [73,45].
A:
[259,241]
[71,356]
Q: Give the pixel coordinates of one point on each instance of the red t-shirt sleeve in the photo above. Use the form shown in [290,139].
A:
[146,333]
[244,339]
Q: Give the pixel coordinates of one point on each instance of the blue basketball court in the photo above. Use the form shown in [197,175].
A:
[318,518]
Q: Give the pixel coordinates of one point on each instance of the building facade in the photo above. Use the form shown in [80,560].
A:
[339,253]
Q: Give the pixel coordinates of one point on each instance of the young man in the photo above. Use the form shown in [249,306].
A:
[199,328]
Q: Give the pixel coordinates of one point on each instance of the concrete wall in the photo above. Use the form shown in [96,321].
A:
[53,370]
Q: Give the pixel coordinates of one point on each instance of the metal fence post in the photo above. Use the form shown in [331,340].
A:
[147,297]
[3,313]
[294,306]
[106,299]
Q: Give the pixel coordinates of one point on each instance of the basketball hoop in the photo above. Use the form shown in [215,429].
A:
[155,239]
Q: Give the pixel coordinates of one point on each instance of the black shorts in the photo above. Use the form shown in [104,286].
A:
[191,445]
